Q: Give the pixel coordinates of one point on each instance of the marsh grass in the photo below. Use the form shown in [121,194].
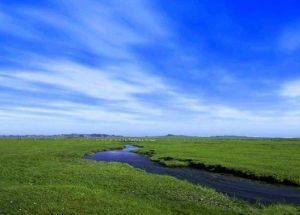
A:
[272,160]
[49,176]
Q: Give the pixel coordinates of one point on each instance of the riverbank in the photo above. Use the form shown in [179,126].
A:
[49,176]
[270,160]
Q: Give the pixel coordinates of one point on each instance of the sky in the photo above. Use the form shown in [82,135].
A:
[139,67]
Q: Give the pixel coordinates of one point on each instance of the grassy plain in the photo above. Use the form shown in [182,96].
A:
[270,159]
[49,176]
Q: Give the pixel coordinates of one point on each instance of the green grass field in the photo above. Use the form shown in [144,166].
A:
[48,176]
[275,158]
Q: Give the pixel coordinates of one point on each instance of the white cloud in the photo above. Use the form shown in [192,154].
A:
[104,28]
[291,89]
[83,80]
[124,89]
[117,89]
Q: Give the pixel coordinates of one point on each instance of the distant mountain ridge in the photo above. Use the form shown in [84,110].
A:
[231,136]
[73,135]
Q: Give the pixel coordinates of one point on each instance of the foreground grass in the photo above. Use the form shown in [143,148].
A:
[48,176]
[270,159]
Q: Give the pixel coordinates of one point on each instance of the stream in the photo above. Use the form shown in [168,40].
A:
[246,189]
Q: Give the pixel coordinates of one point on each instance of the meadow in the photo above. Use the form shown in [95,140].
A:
[49,176]
[272,160]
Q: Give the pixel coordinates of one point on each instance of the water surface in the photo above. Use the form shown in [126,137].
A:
[245,189]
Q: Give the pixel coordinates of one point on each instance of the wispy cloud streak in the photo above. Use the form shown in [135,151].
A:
[78,69]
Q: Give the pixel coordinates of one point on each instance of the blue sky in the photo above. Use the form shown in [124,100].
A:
[154,67]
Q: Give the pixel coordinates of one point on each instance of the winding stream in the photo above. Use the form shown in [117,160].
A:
[249,190]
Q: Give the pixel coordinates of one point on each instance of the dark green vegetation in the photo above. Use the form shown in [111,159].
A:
[48,176]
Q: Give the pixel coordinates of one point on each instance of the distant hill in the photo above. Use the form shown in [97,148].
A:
[218,136]
[62,136]
[232,137]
